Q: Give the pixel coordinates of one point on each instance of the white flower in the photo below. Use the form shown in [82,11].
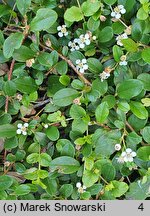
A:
[22,128]
[121,37]
[94,37]
[30,62]
[18,97]
[127,156]
[123,61]
[117,147]
[46,126]
[74,45]
[120,159]
[81,65]
[62,31]
[81,189]
[84,40]
[116,13]
[104,75]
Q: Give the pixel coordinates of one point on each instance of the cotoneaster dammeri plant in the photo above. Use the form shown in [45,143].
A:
[74,99]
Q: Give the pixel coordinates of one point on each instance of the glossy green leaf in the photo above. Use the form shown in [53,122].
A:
[65,97]
[22,190]
[138,110]
[105,35]
[7,130]
[146,55]
[130,88]
[45,159]
[102,112]
[90,7]
[44,19]
[144,153]
[26,84]
[13,42]
[23,53]
[5,182]
[65,164]
[146,134]
[73,14]
[52,133]
[23,6]
[9,88]
[130,45]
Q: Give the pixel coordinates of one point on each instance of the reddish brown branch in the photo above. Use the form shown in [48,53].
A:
[9,78]
[69,62]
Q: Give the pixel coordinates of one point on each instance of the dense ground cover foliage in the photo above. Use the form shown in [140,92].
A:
[74,99]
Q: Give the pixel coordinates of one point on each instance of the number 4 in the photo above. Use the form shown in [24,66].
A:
[141,207]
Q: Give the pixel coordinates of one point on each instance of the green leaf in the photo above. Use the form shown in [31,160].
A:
[138,191]
[110,2]
[129,88]
[93,24]
[130,45]
[90,7]
[23,6]
[42,174]
[102,112]
[138,28]
[11,143]
[133,138]
[98,89]
[73,14]
[146,55]
[141,14]
[146,134]
[77,111]
[51,186]
[108,171]
[80,124]
[44,19]
[110,100]
[95,189]
[4,9]
[146,102]
[64,79]
[119,189]
[144,153]
[13,42]
[9,88]
[105,35]
[145,79]
[117,53]
[22,190]
[45,159]
[65,97]
[25,84]
[66,190]
[52,133]
[3,195]
[94,65]
[23,53]
[61,67]
[65,147]
[138,109]
[7,130]
[105,141]
[32,158]
[5,182]
[48,59]
[89,178]
[65,164]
